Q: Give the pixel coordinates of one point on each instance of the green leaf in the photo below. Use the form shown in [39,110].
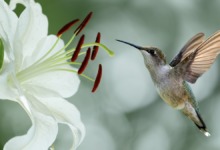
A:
[1,55]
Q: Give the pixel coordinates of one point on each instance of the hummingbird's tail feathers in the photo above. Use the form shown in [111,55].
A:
[202,126]
[194,115]
[203,130]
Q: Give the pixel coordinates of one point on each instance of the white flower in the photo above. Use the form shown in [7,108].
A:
[36,78]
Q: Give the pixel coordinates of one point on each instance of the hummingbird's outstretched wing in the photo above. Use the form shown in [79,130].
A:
[188,48]
[198,62]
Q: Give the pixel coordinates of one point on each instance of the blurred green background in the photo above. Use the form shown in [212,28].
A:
[126,113]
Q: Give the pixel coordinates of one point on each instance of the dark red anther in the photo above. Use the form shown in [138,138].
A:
[83,24]
[96,48]
[78,48]
[67,27]
[85,61]
[98,79]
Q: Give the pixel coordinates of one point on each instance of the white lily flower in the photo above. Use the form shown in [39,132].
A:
[37,74]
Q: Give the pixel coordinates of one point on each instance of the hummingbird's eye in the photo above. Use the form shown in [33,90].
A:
[152,52]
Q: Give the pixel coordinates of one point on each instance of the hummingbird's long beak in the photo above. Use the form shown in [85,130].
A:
[138,47]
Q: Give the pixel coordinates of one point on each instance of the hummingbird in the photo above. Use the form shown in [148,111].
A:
[171,80]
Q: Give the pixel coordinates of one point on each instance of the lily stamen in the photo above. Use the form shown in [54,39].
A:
[96,48]
[78,48]
[67,27]
[83,24]
[98,79]
[85,62]
[62,57]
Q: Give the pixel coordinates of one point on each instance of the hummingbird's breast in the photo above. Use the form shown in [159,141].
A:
[172,89]
[172,93]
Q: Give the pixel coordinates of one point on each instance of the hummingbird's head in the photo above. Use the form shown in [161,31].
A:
[152,55]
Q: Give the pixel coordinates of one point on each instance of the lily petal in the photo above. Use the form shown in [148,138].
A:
[13,3]
[40,136]
[32,27]
[63,83]
[8,24]
[43,46]
[7,90]
[66,113]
